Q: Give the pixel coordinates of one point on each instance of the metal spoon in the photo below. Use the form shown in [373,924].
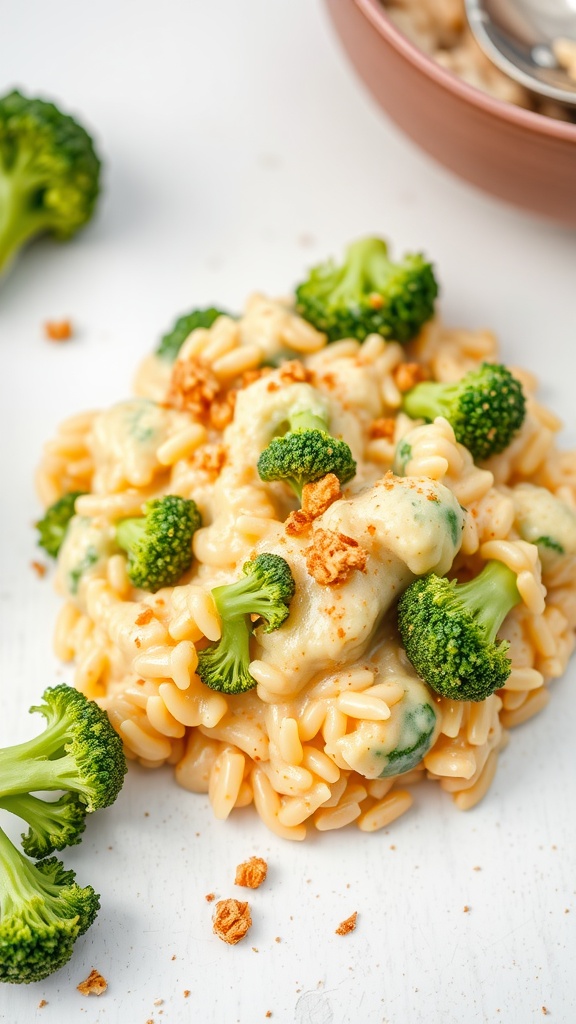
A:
[518,36]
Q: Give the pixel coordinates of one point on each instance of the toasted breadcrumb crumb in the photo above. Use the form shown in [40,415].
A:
[222,410]
[193,387]
[320,494]
[145,617]
[186,993]
[43,1002]
[210,897]
[251,873]
[231,920]
[294,372]
[407,375]
[347,926]
[39,568]
[268,1013]
[545,1011]
[383,427]
[93,985]
[333,556]
[466,908]
[297,522]
[210,458]
[58,330]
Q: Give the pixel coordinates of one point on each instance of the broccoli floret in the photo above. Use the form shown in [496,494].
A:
[78,751]
[159,543]
[449,630]
[417,733]
[306,453]
[49,174]
[42,913]
[486,408]
[54,824]
[369,294]
[172,342]
[265,590]
[54,523]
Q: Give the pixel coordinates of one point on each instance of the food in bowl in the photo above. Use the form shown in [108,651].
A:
[319,481]
[440,29]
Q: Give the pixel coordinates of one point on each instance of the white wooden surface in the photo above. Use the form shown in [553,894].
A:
[239,149]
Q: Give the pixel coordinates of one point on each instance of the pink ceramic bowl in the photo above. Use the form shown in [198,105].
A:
[524,158]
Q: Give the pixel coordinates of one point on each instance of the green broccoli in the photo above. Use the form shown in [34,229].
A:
[369,294]
[42,913]
[54,523]
[486,408]
[54,824]
[78,752]
[417,734]
[171,343]
[49,174]
[159,543]
[266,589]
[306,453]
[449,630]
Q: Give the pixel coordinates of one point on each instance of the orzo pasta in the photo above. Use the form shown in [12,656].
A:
[334,695]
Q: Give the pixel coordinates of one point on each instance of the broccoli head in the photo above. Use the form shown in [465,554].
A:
[369,294]
[78,751]
[159,543]
[449,631]
[486,408]
[42,912]
[49,173]
[171,343]
[306,453]
[54,523]
[266,589]
[54,824]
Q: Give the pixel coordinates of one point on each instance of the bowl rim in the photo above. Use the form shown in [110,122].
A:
[375,12]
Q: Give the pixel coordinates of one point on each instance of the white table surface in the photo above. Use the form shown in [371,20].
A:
[239,149]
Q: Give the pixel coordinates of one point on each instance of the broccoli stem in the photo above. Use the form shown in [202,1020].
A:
[237,600]
[129,532]
[20,883]
[29,766]
[307,421]
[367,268]
[430,399]
[19,220]
[490,596]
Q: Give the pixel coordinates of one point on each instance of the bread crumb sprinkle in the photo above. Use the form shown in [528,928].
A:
[231,920]
[94,985]
[251,873]
[347,926]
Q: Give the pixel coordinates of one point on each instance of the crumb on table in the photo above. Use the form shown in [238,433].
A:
[210,897]
[58,330]
[251,873]
[93,985]
[231,920]
[347,926]
[39,568]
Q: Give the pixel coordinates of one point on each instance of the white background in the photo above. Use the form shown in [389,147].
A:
[239,149]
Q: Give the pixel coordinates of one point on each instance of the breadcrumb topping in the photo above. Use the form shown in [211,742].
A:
[210,458]
[93,985]
[384,427]
[231,920]
[347,926]
[193,387]
[251,873]
[316,498]
[333,556]
[58,330]
[407,375]
[294,372]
